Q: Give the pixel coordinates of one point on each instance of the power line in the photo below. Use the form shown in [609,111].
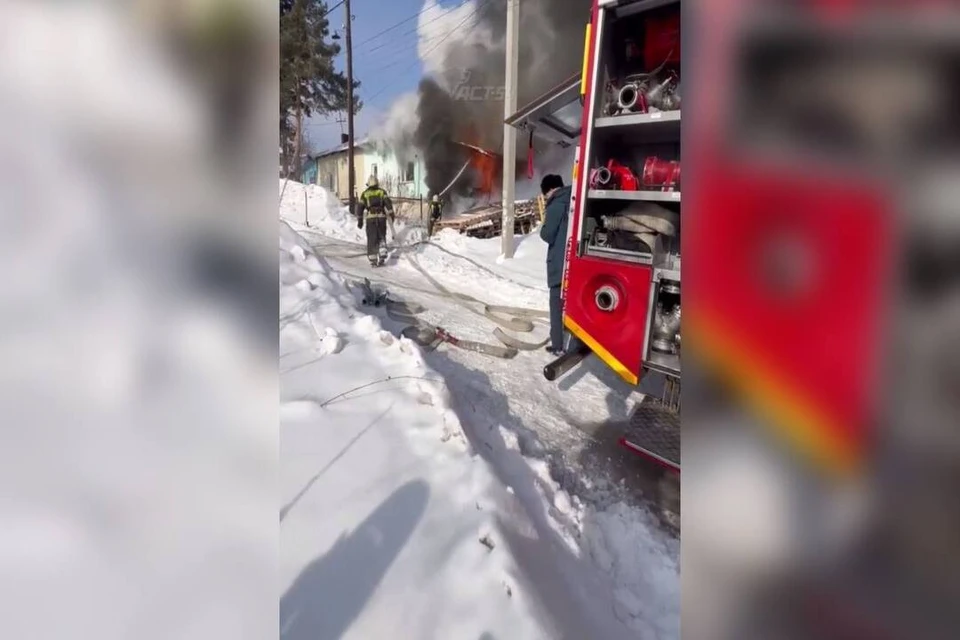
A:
[366,55]
[443,14]
[332,8]
[431,50]
[394,26]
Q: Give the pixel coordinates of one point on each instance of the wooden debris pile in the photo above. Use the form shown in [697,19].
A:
[487,221]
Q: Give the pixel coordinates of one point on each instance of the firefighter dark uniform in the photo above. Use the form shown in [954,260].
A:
[436,212]
[373,209]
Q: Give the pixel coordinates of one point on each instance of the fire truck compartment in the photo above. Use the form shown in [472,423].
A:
[616,334]
[625,231]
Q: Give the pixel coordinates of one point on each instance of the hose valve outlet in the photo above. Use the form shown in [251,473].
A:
[630,98]
[607,298]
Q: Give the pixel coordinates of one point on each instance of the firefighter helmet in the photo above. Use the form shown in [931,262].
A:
[436,198]
[373,182]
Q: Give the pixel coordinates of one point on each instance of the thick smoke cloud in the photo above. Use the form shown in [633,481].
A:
[551,40]
[396,131]
[435,132]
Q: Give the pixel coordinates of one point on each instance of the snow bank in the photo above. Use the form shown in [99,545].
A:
[640,565]
[645,568]
[527,267]
[313,206]
[569,569]
[390,528]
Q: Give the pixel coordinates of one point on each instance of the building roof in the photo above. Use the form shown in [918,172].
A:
[341,148]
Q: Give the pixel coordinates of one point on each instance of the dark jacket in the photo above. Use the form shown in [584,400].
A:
[554,233]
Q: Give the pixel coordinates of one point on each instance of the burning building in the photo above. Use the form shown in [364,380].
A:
[480,175]
[455,123]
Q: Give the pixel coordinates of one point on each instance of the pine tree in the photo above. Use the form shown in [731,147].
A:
[309,83]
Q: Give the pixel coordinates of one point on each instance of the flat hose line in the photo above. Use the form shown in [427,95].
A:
[517,319]
[425,334]
[520,319]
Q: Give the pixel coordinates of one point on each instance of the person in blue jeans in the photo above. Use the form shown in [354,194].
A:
[554,233]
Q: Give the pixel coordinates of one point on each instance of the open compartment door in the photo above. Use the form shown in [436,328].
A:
[556,116]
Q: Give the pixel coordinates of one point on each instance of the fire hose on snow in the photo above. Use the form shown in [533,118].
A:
[518,319]
[515,319]
[431,336]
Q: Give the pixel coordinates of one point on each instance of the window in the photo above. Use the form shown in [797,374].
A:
[375,171]
[567,118]
[408,173]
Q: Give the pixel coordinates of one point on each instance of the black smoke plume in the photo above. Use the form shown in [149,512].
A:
[551,43]
[435,140]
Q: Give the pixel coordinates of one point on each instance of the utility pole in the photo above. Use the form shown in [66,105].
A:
[351,176]
[509,133]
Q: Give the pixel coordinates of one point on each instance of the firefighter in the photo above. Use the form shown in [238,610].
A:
[436,212]
[553,232]
[373,208]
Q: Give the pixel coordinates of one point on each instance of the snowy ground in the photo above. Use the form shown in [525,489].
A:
[404,485]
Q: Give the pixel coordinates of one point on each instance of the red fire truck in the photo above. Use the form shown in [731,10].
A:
[622,280]
[813,122]
[771,241]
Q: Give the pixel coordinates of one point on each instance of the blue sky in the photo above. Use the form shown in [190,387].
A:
[396,50]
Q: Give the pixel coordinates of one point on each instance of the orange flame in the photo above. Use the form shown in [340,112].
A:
[486,165]
[486,168]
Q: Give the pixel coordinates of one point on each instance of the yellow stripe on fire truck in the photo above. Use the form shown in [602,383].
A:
[796,418]
[598,349]
[586,59]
